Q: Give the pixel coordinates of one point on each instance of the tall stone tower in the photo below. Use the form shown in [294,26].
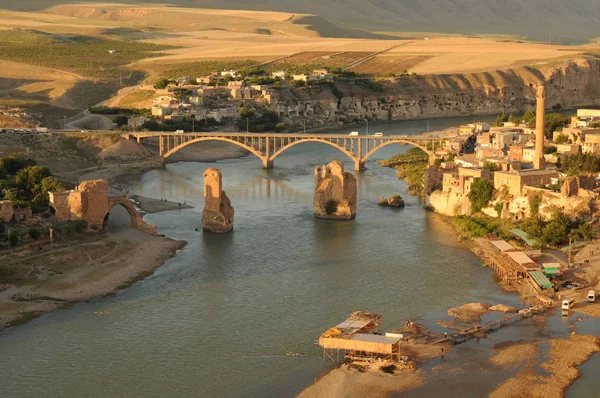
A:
[539,162]
[218,214]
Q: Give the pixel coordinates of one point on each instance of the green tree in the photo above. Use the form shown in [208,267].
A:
[489,166]
[529,118]
[15,162]
[482,191]
[29,177]
[161,84]
[40,191]
[548,149]
[501,119]
[561,139]
[121,120]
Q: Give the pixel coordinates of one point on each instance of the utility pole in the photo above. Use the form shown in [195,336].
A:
[304,126]
[367,120]
[64,122]
[247,125]
[569,261]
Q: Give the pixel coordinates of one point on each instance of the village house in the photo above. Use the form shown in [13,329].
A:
[136,122]
[466,130]
[229,73]
[165,100]
[482,152]
[454,145]
[203,80]
[467,160]
[484,139]
[161,111]
[515,152]
[213,92]
[514,181]
[457,184]
[528,154]
[568,149]
[591,143]
[280,74]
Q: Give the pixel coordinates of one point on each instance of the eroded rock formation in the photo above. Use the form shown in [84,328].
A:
[335,192]
[218,214]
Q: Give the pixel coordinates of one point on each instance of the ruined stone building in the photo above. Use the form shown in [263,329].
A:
[335,192]
[6,210]
[218,214]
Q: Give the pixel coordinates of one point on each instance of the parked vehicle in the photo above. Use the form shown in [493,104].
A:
[178,131]
[353,134]
[378,134]
[567,304]
[591,297]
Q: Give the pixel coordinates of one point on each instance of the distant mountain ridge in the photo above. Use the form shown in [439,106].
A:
[562,21]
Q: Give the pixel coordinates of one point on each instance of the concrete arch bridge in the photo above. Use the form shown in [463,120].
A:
[268,146]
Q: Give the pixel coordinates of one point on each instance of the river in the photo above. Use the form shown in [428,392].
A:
[238,314]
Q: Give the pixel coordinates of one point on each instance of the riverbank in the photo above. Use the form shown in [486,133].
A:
[558,363]
[73,270]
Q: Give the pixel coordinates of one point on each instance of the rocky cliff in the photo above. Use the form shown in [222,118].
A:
[218,214]
[335,192]
[571,84]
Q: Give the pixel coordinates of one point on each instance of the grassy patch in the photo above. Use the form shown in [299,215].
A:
[203,68]
[411,166]
[86,55]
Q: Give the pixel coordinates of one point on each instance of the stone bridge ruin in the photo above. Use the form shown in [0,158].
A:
[90,202]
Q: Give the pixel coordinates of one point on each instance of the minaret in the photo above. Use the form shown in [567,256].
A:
[539,162]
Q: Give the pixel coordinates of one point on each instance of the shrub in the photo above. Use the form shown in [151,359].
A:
[34,233]
[330,207]
[499,207]
[80,225]
[13,238]
[534,204]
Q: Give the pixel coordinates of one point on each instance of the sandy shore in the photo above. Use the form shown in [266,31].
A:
[565,355]
[347,383]
[152,205]
[78,270]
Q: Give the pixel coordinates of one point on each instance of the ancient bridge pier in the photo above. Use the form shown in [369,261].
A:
[267,147]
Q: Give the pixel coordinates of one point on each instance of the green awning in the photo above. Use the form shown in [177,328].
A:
[540,279]
[523,235]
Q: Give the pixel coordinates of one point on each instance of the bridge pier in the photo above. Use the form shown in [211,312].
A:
[359,165]
[267,163]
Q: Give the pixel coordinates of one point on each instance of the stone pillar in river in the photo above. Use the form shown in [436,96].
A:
[218,214]
[335,192]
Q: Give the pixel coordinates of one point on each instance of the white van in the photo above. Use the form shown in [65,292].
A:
[178,131]
[378,134]
[353,134]
[591,296]
[567,304]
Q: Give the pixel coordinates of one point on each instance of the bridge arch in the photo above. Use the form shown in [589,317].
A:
[134,215]
[384,144]
[303,140]
[223,139]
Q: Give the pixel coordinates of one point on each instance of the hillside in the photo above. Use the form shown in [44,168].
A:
[568,21]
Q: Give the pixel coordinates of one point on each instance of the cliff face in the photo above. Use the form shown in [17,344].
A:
[571,84]
[335,192]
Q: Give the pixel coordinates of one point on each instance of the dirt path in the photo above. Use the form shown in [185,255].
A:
[86,120]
